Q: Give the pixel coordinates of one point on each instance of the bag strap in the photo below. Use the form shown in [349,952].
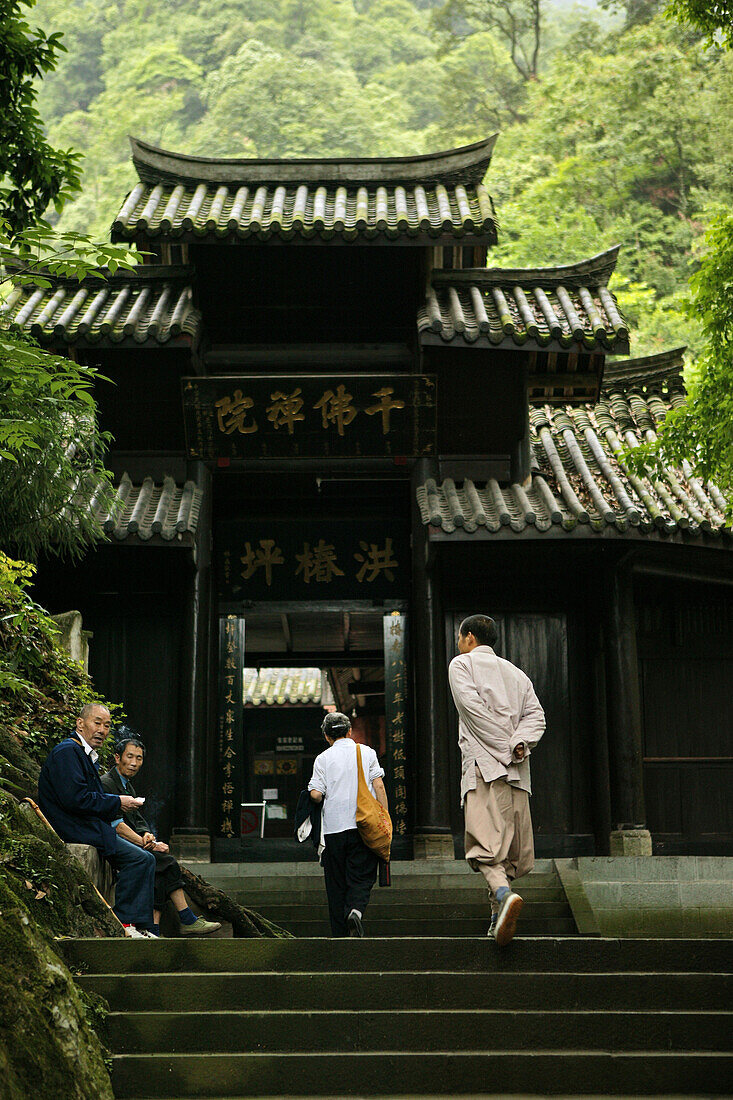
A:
[361,777]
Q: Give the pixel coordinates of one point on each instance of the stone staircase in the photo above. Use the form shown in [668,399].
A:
[413,1016]
[427,898]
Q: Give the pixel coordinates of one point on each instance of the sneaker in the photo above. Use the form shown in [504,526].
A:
[200,927]
[146,935]
[356,928]
[506,920]
[132,932]
[492,926]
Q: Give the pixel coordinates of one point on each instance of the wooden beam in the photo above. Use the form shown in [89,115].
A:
[287,634]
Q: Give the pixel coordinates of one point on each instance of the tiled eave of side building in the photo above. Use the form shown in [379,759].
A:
[579,486]
[435,198]
[566,317]
[152,513]
[150,305]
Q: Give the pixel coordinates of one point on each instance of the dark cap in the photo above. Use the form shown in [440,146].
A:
[335,725]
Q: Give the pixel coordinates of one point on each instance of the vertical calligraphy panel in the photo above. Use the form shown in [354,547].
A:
[230,741]
[395,709]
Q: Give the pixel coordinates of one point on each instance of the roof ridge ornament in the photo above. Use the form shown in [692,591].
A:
[465,165]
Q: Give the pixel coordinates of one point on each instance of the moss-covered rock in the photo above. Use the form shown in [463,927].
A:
[48,1049]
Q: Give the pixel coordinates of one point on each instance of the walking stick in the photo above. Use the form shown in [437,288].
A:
[39,813]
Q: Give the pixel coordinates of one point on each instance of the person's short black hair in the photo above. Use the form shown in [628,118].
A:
[335,725]
[127,739]
[482,627]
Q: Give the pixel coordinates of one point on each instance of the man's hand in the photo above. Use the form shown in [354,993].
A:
[159,846]
[128,803]
[149,841]
[519,752]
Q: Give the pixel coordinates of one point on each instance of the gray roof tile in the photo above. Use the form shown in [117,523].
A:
[435,196]
[578,478]
[150,305]
[561,308]
[140,512]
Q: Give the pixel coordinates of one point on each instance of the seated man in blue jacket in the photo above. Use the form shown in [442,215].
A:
[71,795]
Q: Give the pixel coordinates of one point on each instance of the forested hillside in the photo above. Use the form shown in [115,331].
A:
[616,125]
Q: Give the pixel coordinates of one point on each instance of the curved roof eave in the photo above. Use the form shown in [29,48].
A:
[467,164]
[596,270]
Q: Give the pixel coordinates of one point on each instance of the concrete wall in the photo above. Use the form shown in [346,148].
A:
[650,896]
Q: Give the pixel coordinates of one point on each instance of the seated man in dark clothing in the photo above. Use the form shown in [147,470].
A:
[129,755]
[71,796]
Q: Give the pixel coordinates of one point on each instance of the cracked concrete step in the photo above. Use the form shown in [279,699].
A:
[423,1029]
[577,953]
[384,1074]
[416,989]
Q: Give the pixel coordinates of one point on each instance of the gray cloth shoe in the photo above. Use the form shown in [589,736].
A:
[506,920]
[492,926]
[200,928]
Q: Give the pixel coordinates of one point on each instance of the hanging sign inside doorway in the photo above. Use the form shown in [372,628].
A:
[309,416]
[311,559]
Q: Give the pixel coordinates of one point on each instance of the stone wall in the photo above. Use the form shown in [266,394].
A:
[650,896]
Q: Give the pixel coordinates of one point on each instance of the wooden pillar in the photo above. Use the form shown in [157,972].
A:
[629,835]
[432,834]
[190,837]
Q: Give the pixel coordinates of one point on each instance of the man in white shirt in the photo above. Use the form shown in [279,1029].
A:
[500,721]
[349,867]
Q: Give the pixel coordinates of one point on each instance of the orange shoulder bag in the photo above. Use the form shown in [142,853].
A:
[372,820]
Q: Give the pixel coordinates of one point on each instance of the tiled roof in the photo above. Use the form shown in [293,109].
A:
[151,304]
[440,195]
[281,686]
[143,512]
[557,309]
[578,481]
[660,373]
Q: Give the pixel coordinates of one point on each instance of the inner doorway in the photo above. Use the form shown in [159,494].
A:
[295,663]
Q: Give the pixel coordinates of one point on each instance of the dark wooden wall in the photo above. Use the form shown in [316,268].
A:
[685,643]
[130,601]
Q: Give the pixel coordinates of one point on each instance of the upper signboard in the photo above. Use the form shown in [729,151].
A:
[309,416]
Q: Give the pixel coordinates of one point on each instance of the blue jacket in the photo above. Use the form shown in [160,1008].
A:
[71,795]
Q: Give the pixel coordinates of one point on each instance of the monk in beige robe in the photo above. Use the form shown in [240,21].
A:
[500,721]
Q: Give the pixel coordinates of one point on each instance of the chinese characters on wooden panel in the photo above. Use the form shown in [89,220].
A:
[231,645]
[250,416]
[395,705]
[299,559]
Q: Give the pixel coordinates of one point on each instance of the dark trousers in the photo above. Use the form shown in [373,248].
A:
[350,871]
[135,883]
[167,878]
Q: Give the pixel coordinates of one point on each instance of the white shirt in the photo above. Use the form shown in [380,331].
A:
[336,777]
[497,710]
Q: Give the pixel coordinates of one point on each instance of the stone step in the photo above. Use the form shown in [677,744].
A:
[577,953]
[425,1029]
[259,899]
[410,990]
[384,1074]
[312,869]
[283,912]
[427,881]
[423,926]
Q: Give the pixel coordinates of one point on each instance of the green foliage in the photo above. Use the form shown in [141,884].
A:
[33,173]
[714,19]
[41,688]
[701,431]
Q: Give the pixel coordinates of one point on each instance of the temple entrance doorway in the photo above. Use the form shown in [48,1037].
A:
[282,668]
